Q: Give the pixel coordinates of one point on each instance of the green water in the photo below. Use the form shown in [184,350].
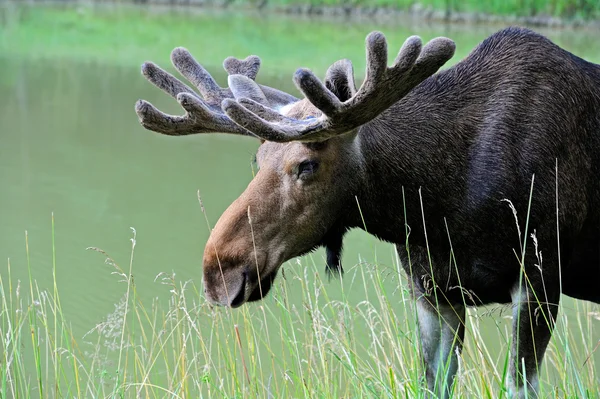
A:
[71,145]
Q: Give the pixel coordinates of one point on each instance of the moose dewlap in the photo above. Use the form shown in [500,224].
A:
[514,124]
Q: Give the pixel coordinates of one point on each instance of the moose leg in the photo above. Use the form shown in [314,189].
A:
[535,306]
[442,332]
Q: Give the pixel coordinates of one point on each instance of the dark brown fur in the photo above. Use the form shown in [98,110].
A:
[510,125]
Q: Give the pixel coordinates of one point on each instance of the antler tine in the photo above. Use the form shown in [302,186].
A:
[204,114]
[278,129]
[243,87]
[277,98]
[249,67]
[200,117]
[164,80]
[382,87]
[339,78]
[187,65]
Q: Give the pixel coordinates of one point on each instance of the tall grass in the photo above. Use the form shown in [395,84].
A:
[281,347]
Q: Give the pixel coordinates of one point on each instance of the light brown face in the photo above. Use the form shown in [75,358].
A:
[284,212]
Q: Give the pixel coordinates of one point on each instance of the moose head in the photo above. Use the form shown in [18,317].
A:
[311,163]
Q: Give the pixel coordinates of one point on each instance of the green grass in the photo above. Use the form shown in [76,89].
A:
[316,348]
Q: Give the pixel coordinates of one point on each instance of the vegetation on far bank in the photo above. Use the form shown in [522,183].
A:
[566,9]
[585,9]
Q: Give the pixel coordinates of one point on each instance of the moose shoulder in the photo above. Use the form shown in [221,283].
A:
[443,157]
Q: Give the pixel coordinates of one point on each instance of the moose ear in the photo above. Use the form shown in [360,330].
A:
[333,244]
[340,80]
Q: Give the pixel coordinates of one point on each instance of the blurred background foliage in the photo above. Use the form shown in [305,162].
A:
[569,9]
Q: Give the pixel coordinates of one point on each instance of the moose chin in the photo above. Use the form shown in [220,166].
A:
[515,125]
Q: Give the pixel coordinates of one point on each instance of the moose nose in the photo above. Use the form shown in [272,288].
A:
[240,297]
[226,288]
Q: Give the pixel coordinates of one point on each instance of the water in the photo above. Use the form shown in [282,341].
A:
[71,146]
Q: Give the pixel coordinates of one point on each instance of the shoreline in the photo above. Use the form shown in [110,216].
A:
[428,14]
[353,13]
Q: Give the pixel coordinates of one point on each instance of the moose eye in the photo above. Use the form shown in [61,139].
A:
[307,169]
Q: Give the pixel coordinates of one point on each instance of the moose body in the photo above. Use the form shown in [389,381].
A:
[517,108]
[449,166]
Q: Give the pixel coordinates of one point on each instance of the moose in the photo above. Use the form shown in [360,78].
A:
[438,162]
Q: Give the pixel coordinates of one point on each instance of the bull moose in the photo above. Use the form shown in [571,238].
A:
[439,159]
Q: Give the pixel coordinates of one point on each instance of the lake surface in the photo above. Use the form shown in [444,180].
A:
[71,146]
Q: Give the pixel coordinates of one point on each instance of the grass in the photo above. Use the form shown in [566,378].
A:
[317,347]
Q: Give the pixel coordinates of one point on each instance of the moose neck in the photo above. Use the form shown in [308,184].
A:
[415,157]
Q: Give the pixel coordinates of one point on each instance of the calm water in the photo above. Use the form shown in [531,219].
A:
[71,146]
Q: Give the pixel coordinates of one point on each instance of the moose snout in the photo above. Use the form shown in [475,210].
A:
[227,280]
[225,287]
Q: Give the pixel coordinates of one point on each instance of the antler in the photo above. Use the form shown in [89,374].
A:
[203,114]
[382,87]
[275,97]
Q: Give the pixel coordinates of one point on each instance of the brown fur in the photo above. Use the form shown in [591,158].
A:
[451,146]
